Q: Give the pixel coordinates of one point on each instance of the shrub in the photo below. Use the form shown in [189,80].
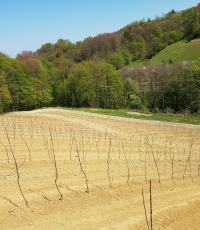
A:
[135,102]
[117,60]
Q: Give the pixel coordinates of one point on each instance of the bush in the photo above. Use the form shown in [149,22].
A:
[117,60]
[169,110]
[127,57]
[198,113]
[155,110]
[135,102]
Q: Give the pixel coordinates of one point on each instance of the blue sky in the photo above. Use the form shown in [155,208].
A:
[27,24]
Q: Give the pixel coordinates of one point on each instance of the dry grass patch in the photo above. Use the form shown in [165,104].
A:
[139,114]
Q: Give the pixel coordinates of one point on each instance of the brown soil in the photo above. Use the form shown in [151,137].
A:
[118,158]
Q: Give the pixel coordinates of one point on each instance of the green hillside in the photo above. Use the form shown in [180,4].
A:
[179,51]
[84,74]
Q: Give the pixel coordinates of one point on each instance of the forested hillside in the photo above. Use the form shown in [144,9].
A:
[85,73]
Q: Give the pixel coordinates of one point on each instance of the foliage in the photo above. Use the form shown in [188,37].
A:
[174,86]
[135,102]
[128,91]
[5,97]
[26,91]
[127,56]
[89,84]
[117,60]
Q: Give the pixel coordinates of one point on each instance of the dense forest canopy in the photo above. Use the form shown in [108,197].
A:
[86,73]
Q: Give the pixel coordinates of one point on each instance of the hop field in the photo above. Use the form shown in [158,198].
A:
[62,169]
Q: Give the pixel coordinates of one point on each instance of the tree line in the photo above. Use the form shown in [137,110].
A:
[166,87]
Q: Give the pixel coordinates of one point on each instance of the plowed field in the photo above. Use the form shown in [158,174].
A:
[62,169]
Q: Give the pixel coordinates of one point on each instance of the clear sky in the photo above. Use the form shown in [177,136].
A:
[27,24]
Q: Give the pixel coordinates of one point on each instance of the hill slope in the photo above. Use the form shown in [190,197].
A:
[180,51]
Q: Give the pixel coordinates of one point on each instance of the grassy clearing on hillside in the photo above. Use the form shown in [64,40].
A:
[180,51]
[135,64]
[152,116]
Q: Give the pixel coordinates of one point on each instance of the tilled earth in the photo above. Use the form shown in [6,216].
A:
[61,169]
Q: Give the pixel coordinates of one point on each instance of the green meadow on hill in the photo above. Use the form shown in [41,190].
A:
[178,52]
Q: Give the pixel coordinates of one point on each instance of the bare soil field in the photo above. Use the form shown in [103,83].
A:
[63,169]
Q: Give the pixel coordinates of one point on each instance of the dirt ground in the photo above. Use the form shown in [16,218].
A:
[61,169]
